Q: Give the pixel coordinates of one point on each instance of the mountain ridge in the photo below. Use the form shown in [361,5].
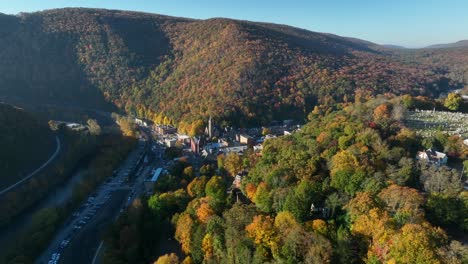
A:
[458,44]
[178,69]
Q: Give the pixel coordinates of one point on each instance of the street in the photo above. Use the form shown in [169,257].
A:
[100,209]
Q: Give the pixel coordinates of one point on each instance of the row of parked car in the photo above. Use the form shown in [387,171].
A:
[82,221]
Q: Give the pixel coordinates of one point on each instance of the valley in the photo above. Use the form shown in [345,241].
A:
[135,137]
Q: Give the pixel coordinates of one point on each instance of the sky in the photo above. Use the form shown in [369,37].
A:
[410,23]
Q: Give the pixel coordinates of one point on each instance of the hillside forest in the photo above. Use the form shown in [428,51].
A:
[344,189]
[173,70]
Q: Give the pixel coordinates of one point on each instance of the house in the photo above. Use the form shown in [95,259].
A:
[238,179]
[258,147]
[433,157]
[170,142]
[211,147]
[465,141]
[223,142]
[183,137]
[245,139]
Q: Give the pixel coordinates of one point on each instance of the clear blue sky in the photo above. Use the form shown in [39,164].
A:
[412,23]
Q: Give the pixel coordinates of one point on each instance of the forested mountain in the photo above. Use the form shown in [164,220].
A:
[25,142]
[461,43]
[453,62]
[390,46]
[177,69]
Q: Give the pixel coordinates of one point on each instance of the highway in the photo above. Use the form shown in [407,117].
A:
[32,174]
[80,239]
[101,206]
[138,187]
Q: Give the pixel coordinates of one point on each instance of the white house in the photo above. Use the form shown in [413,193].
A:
[432,156]
[465,141]
[170,142]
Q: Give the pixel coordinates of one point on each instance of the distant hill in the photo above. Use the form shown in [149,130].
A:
[178,69]
[461,43]
[390,46]
[25,141]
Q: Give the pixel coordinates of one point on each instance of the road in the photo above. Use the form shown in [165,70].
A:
[32,174]
[80,239]
[138,188]
[83,229]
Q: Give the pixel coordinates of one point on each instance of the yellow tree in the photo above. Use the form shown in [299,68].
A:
[378,228]
[207,247]
[184,231]
[204,211]
[361,204]
[168,259]
[453,101]
[250,190]
[262,232]
[417,244]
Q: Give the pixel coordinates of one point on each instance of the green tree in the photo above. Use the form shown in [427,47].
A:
[216,188]
[262,198]
[453,101]
[441,180]
[233,163]
[196,187]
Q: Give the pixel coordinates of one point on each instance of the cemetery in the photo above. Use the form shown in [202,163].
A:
[426,122]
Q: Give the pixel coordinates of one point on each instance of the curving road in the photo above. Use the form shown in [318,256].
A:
[30,175]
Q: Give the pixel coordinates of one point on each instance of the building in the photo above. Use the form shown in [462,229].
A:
[237,149]
[258,147]
[170,142]
[245,139]
[465,141]
[223,142]
[196,145]
[183,138]
[238,179]
[209,128]
[212,147]
[140,122]
[433,157]
[163,129]
[149,183]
